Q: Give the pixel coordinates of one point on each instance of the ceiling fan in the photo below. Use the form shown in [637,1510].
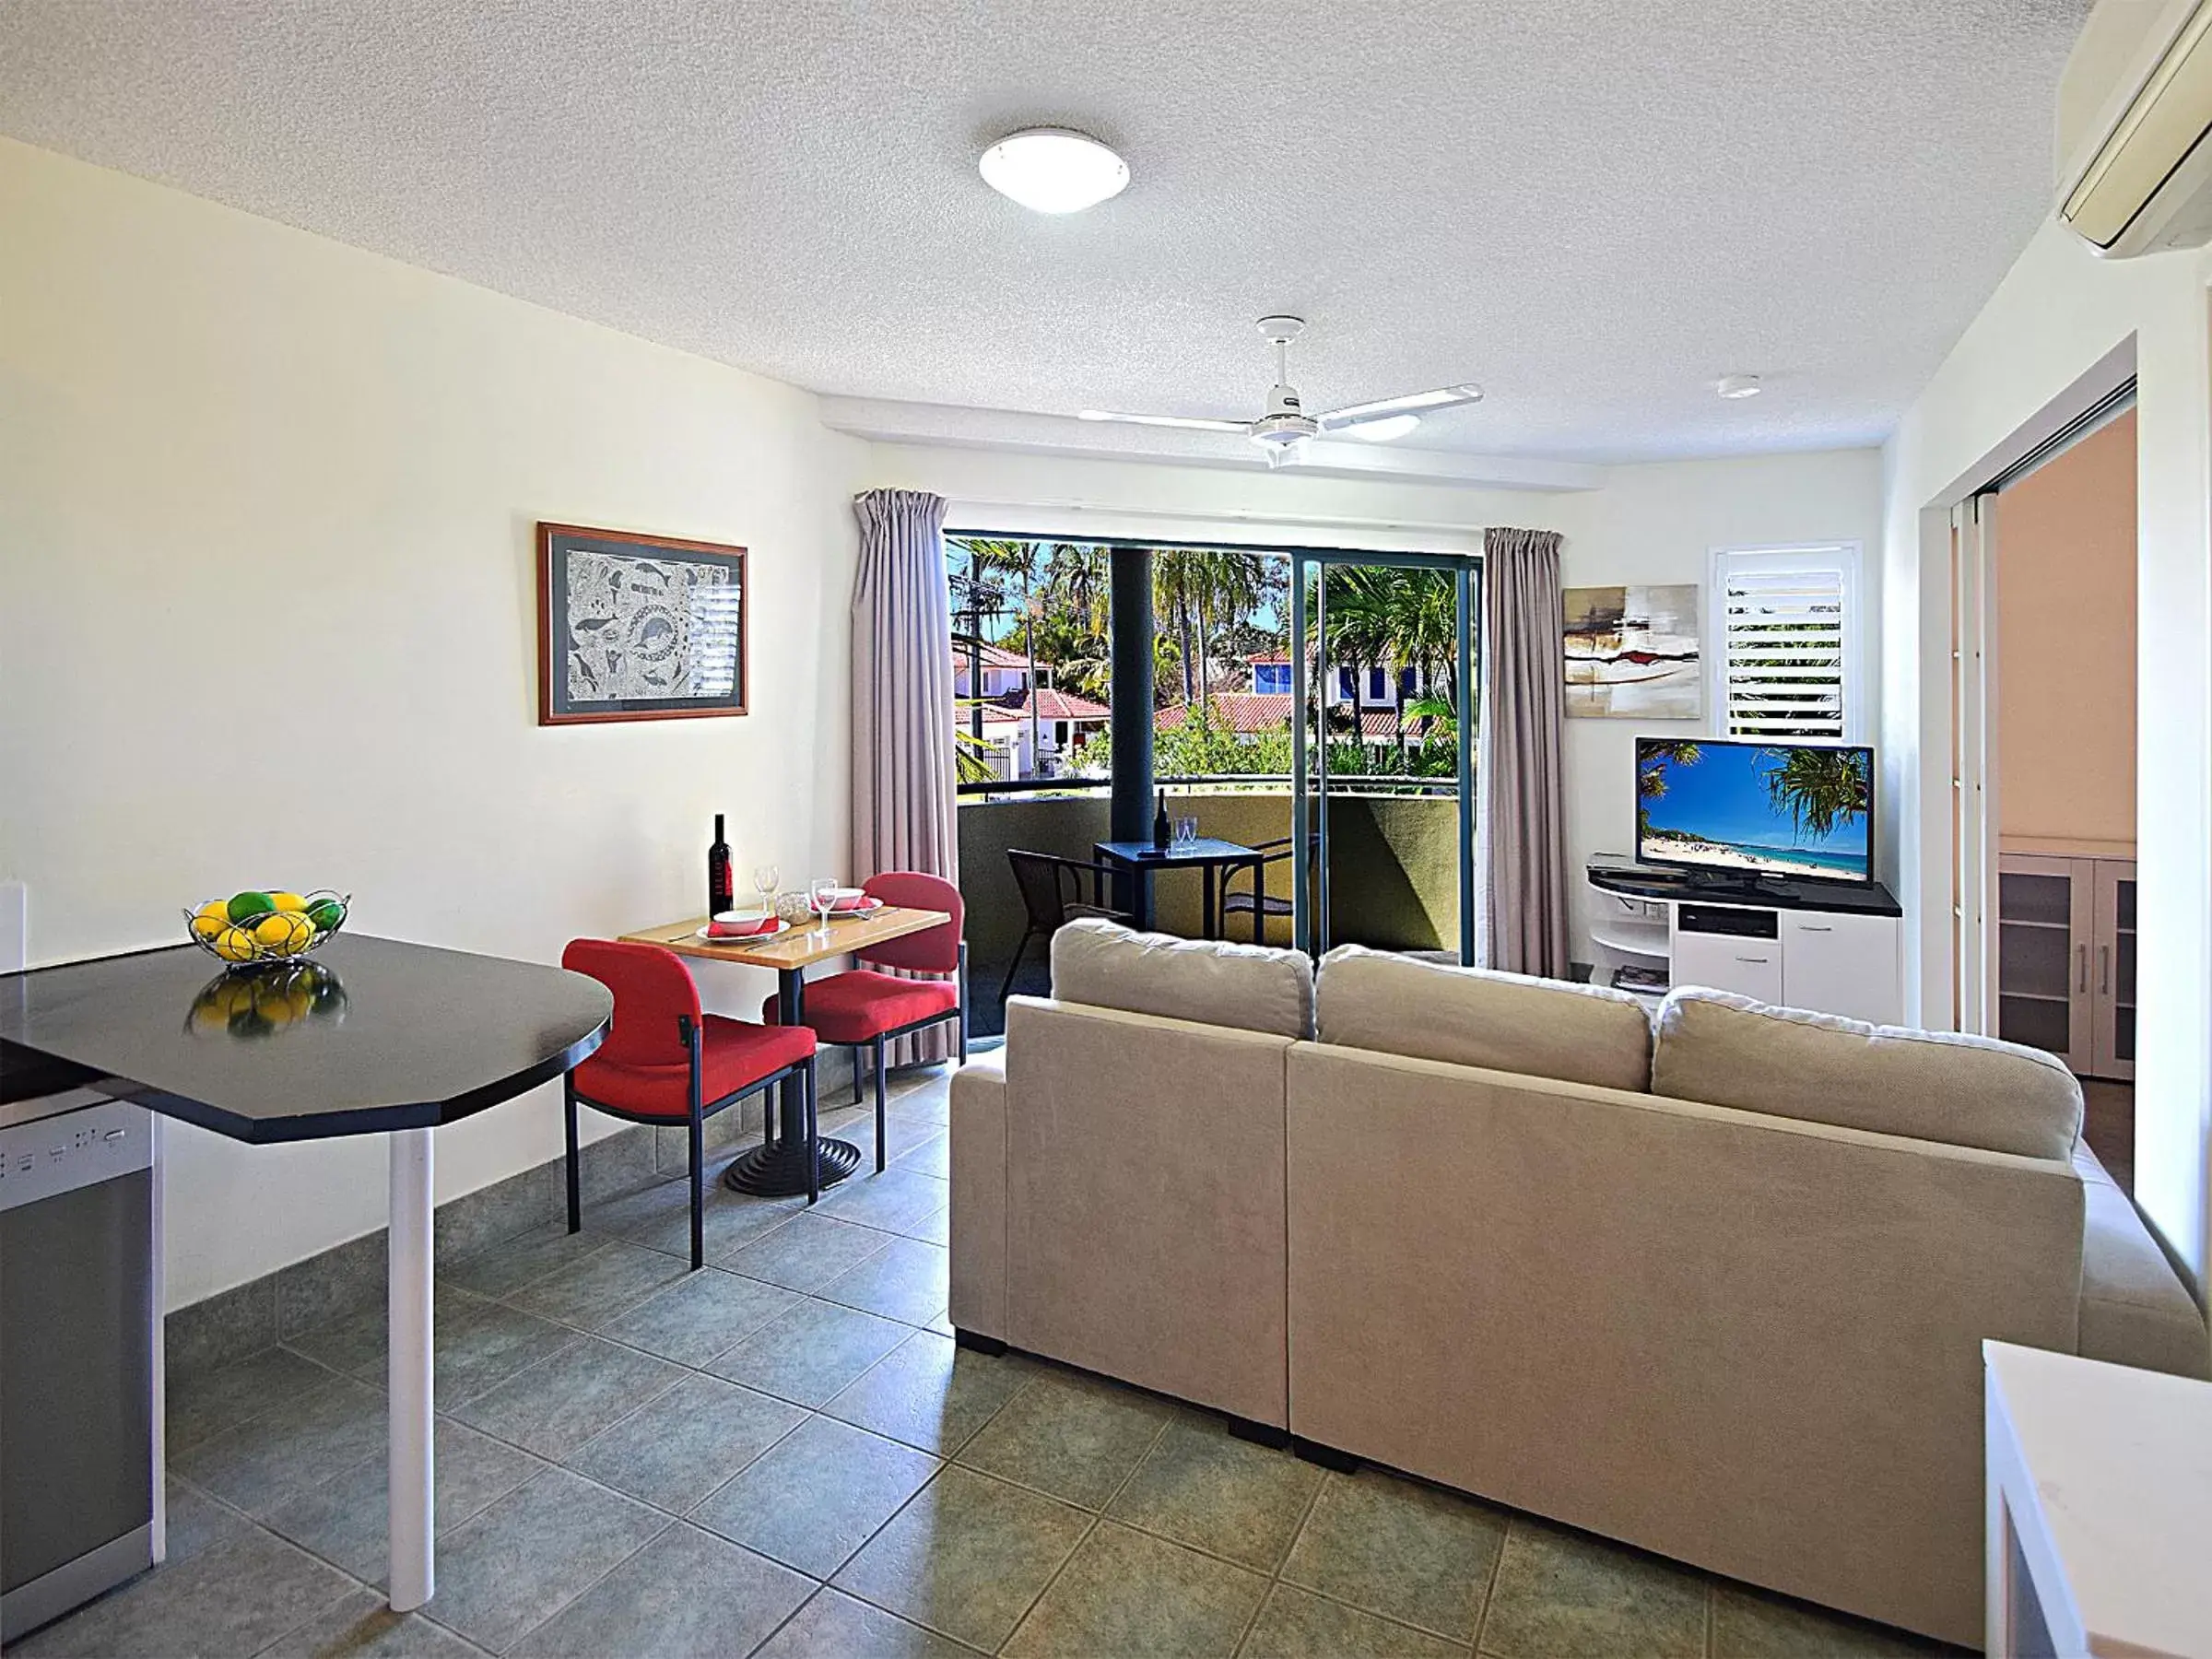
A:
[1286,427]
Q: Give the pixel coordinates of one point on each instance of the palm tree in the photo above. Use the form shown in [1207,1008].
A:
[1650,776]
[983,586]
[1818,787]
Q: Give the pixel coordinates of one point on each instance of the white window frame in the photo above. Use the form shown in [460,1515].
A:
[1844,556]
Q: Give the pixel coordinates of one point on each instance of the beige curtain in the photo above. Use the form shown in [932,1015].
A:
[905,809]
[1520,841]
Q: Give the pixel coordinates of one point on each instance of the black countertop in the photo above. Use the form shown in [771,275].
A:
[1764,892]
[375,1035]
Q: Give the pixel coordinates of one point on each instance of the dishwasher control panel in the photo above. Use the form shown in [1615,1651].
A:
[73,1149]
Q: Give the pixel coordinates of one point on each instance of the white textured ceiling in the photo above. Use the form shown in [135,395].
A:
[1593,206]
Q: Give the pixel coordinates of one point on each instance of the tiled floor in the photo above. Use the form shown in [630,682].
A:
[787,1454]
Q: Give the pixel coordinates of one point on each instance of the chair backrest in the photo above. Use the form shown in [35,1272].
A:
[1038,877]
[937,951]
[652,989]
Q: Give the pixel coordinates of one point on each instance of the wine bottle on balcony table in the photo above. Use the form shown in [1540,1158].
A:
[1160,825]
[721,895]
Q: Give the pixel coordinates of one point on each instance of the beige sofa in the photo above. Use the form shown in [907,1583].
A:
[1719,1292]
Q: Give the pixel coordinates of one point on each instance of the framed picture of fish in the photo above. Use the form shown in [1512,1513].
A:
[634,627]
[1632,653]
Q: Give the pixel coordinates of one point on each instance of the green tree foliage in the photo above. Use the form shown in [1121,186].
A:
[1819,788]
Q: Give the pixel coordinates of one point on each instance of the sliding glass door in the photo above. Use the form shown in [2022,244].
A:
[1382,738]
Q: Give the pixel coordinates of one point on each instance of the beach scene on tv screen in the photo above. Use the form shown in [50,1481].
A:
[1781,809]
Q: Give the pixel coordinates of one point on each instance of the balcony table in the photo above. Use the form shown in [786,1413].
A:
[778,1167]
[427,1036]
[1205,854]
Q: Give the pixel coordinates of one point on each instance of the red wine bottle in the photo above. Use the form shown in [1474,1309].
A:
[1159,824]
[721,895]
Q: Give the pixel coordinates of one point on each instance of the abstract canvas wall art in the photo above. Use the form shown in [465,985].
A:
[637,626]
[1632,653]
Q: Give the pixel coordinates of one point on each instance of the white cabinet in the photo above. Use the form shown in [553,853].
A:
[1848,960]
[2066,959]
[1842,964]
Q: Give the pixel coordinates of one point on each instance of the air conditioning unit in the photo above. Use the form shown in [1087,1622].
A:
[2135,128]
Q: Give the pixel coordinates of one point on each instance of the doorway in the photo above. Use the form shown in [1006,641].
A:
[2045,558]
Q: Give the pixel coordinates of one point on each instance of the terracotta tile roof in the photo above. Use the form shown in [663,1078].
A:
[1055,705]
[1251,711]
[995,656]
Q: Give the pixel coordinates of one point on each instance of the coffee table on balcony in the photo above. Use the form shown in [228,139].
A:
[778,1169]
[1213,859]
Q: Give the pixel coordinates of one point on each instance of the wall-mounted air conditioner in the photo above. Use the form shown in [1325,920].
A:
[2135,128]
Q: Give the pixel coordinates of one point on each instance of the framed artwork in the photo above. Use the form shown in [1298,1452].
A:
[1632,653]
[637,626]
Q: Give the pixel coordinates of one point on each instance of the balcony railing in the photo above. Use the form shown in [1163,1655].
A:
[1394,861]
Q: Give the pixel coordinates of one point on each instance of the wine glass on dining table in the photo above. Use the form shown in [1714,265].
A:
[767,879]
[821,892]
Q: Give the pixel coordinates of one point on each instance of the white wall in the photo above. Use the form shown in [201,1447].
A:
[266,510]
[2058,314]
[1655,524]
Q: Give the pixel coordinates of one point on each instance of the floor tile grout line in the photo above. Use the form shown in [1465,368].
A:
[1489,1589]
[1097,1519]
[522,1635]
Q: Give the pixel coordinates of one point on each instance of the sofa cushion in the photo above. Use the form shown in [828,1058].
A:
[1212,982]
[1969,1091]
[1508,1023]
[2133,1308]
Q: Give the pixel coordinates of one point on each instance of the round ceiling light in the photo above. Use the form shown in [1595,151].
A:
[1051,170]
[1386,431]
[1738,385]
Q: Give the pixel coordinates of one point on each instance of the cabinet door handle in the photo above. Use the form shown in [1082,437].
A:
[1761,962]
[2104,968]
[1815,927]
[2082,953]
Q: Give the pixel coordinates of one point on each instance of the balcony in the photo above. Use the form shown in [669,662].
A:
[1393,856]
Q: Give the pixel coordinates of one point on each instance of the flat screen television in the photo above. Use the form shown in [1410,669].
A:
[1750,809]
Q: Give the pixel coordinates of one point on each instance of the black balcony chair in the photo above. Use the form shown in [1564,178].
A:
[1257,901]
[1052,892]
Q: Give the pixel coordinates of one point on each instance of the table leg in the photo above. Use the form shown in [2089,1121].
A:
[1259,901]
[778,1170]
[412,1473]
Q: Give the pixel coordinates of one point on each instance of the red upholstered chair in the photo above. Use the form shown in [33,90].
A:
[664,1061]
[865,1008]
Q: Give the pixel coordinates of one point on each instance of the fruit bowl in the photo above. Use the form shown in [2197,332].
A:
[253,929]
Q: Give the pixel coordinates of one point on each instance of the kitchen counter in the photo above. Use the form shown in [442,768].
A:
[412,1037]
[376,1037]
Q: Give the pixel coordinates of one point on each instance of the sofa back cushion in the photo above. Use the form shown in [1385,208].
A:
[1936,1086]
[1211,982]
[1507,1022]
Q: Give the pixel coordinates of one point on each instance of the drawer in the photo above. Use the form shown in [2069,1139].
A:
[1722,962]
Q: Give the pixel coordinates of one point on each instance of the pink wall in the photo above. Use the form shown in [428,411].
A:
[2066,645]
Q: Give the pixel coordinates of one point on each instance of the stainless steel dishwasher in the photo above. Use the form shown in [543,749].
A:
[80,1376]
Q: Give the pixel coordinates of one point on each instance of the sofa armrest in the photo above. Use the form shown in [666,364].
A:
[2134,1309]
[978,1196]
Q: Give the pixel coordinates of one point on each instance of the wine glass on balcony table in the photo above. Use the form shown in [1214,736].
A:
[822,894]
[767,879]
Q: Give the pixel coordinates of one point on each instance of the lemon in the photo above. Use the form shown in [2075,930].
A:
[236,945]
[209,928]
[283,933]
[287,902]
[245,906]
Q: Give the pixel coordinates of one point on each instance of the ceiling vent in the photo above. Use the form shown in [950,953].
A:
[2135,128]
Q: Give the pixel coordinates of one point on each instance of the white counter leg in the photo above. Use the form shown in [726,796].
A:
[413,1479]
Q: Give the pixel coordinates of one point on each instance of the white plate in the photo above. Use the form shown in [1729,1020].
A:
[781,926]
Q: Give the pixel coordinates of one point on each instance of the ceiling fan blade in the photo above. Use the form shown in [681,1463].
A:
[1186,422]
[1413,402]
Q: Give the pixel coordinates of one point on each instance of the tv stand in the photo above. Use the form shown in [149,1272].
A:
[1828,947]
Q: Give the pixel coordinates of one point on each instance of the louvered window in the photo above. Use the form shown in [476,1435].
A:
[1782,642]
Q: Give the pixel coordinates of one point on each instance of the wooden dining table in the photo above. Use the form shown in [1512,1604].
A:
[778,1167]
